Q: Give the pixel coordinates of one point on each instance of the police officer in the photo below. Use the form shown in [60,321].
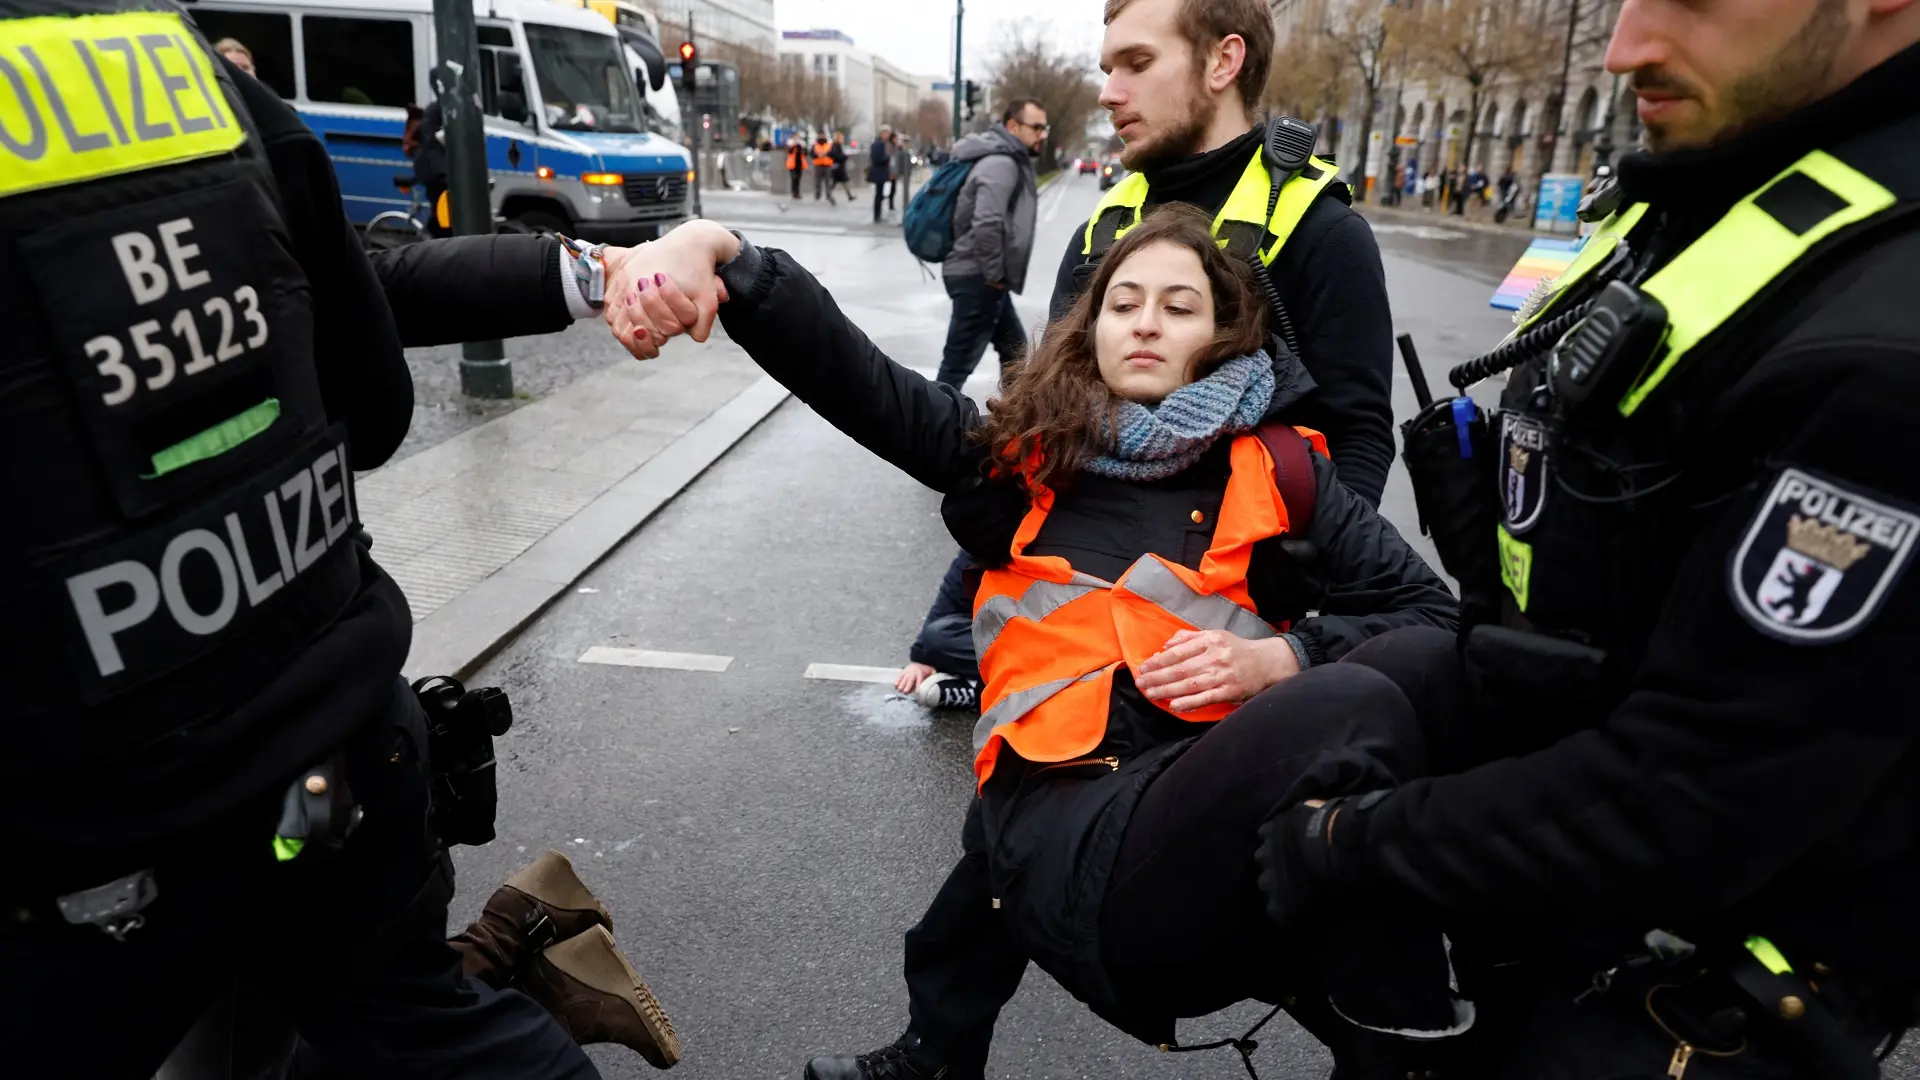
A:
[1182,80]
[210,764]
[1685,781]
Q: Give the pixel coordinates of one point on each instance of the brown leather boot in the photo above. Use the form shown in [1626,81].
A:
[544,903]
[595,994]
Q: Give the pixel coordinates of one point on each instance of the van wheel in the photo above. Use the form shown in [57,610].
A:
[539,221]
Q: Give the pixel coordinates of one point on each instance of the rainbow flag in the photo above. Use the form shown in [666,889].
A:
[1544,258]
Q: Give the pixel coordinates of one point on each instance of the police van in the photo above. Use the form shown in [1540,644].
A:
[567,145]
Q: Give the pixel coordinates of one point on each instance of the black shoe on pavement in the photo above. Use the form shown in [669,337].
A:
[903,1060]
[943,691]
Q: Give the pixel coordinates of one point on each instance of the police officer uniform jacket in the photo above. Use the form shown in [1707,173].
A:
[206,767]
[1748,760]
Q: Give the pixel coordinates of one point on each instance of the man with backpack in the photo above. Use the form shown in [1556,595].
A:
[992,223]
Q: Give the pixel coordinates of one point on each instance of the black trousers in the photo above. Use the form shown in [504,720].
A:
[1540,1020]
[794,175]
[1189,850]
[879,198]
[947,642]
[981,314]
[338,946]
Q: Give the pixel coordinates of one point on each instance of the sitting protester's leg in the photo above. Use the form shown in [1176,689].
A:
[946,645]
[962,966]
[1333,730]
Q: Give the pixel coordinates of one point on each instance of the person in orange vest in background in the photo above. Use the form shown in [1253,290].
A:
[796,162]
[822,168]
[1153,536]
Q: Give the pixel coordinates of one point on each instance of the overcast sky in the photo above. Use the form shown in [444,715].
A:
[917,35]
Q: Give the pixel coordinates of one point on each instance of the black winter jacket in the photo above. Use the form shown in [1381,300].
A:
[112,816]
[1363,578]
[1329,277]
[1748,781]
[1052,867]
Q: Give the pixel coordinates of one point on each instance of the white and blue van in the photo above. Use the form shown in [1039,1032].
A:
[567,145]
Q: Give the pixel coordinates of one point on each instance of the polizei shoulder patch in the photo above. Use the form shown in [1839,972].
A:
[1818,559]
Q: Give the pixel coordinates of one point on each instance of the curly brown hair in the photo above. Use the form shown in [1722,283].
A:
[1049,418]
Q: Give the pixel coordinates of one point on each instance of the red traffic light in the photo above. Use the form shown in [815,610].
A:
[686,52]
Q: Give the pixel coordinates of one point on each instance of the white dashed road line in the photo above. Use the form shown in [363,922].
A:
[654,658]
[853,673]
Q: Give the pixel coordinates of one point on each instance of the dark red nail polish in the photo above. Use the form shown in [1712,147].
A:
[659,279]
[642,287]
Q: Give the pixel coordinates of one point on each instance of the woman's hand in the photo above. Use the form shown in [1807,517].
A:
[667,287]
[1197,668]
[911,677]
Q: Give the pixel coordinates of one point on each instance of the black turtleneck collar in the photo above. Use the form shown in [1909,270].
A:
[1204,180]
[1713,178]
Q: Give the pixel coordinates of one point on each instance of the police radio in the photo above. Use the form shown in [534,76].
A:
[1597,360]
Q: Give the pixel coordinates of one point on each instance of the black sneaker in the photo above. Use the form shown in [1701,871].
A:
[901,1061]
[942,691]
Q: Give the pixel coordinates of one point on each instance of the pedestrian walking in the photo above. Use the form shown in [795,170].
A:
[821,162]
[880,168]
[1457,190]
[900,188]
[1476,188]
[796,162]
[1427,185]
[993,219]
[838,152]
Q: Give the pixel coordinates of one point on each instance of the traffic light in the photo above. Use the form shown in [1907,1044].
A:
[687,53]
[973,97]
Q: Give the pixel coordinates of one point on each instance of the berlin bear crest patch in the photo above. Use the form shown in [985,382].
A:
[1818,559]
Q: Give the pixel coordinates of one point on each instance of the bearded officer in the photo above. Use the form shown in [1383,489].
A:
[201,654]
[1685,776]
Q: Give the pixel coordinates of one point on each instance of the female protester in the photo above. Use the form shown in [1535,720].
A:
[1141,636]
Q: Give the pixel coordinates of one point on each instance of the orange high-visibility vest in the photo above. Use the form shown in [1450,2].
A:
[1050,638]
[794,159]
[823,155]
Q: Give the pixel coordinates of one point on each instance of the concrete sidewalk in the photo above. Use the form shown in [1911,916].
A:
[484,530]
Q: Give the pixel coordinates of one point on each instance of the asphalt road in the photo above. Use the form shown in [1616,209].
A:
[763,838]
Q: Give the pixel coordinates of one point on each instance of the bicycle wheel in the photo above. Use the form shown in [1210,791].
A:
[392,229]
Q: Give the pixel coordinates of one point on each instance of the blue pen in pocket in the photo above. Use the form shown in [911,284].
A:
[1463,415]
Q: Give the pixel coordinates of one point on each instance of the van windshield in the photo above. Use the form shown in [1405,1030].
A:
[584,81]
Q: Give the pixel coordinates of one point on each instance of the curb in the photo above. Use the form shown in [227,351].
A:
[1446,221]
[468,630]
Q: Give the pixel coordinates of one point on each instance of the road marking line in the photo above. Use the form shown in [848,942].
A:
[1059,196]
[853,673]
[654,658]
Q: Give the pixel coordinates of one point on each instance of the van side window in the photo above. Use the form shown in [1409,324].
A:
[358,61]
[268,37]
[501,74]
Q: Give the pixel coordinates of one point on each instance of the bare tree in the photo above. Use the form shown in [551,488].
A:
[933,121]
[1311,78]
[1027,65]
[1366,35]
[1481,44]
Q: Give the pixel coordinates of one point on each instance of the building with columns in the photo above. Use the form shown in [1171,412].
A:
[1425,119]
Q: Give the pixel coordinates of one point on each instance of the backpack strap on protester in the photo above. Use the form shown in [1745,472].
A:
[1292,474]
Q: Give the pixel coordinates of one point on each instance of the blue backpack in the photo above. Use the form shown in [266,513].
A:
[928,223]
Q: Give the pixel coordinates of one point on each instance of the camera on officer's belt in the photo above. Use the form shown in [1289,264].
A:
[461,727]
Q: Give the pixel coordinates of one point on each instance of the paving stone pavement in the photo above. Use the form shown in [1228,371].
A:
[448,518]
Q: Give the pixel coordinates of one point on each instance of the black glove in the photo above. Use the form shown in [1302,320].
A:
[1303,873]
